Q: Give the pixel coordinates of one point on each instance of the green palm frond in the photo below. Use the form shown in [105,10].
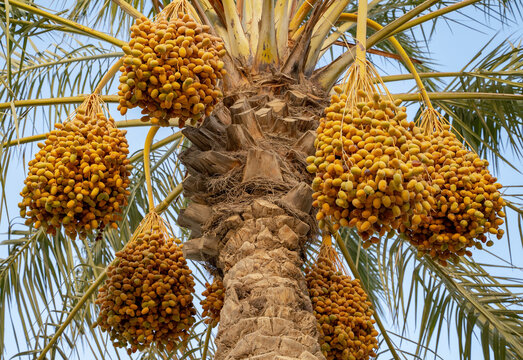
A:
[413,47]
[514,198]
[474,298]
[494,10]
[52,72]
[39,71]
[328,75]
[42,12]
[109,14]
[492,127]
[38,271]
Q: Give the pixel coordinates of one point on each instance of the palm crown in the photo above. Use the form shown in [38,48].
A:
[283,49]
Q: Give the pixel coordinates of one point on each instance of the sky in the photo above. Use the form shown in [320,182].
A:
[450,48]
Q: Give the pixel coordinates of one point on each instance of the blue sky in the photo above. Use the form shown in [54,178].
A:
[451,49]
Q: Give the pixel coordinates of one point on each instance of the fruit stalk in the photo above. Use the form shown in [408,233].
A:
[147,165]
[108,76]
[401,51]
[167,201]
[361,35]
[206,343]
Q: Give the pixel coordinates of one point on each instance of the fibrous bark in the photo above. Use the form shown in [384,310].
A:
[267,311]
[254,182]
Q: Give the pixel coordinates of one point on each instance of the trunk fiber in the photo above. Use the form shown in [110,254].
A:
[250,218]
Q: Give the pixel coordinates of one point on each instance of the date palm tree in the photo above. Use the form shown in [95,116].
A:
[237,185]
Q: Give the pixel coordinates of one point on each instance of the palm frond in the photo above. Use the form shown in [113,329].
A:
[111,13]
[38,11]
[395,18]
[504,11]
[56,71]
[492,127]
[478,299]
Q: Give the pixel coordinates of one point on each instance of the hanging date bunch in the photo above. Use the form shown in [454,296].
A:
[80,176]
[172,67]
[468,204]
[341,307]
[370,162]
[147,298]
[214,295]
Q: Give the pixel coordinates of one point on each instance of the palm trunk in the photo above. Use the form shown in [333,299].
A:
[251,217]
[267,310]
